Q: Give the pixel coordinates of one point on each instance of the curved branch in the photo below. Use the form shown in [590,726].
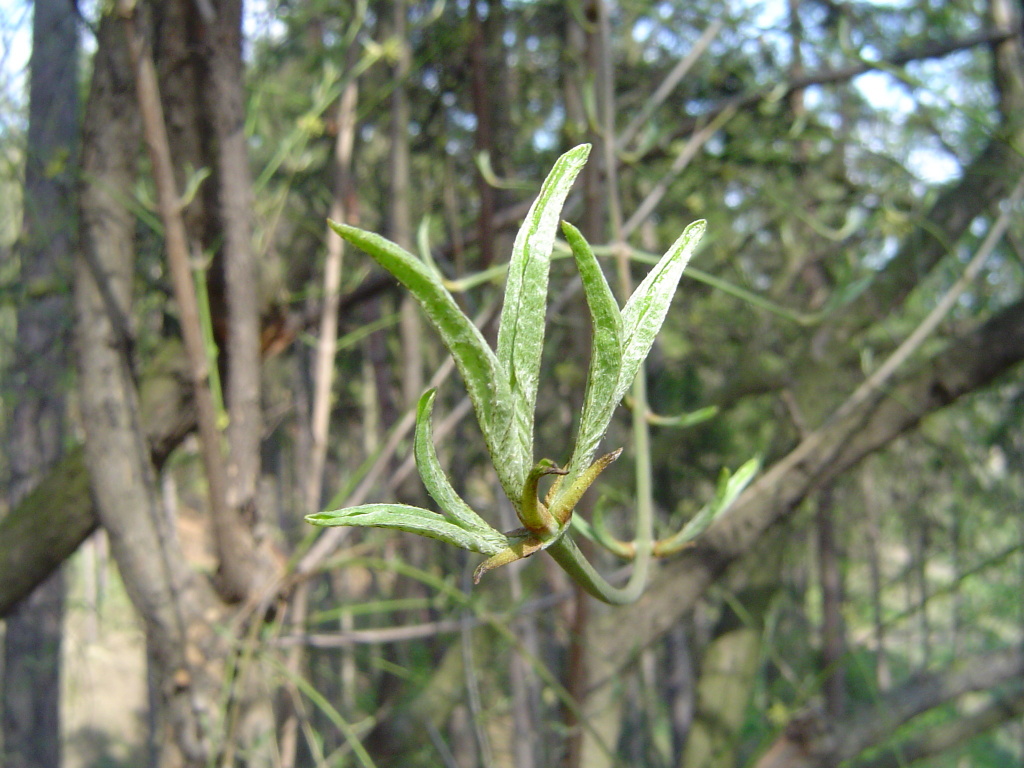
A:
[969,363]
[810,740]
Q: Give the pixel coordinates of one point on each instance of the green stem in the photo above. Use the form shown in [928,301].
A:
[533,514]
[644,539]
[568,555]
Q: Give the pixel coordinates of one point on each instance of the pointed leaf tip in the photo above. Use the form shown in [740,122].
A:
[521,327]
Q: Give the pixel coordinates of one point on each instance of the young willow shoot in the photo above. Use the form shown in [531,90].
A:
[502,385]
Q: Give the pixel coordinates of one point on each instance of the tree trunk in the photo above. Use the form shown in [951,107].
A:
[32,643]
[728,669]
[176,608]
[224,98]
[833,633]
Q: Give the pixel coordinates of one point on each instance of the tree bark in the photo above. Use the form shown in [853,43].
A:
[235,550]
[177,610]
[224,96]
[833,631]
[948,735]
[32,642]
[58,515]
[969,363]
[728,668]
[814,740]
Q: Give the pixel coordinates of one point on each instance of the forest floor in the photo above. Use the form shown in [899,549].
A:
[103,697]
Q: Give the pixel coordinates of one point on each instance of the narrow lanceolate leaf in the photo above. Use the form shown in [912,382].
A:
[400,517]
[729,489]
[435,479]
[646,309]
[521,332]
[599,399]
[476,361]
[519,548]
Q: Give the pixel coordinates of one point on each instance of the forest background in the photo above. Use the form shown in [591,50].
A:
[192,362]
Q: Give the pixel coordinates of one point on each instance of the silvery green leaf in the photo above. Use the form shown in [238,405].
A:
[599,399]
[731,486]
[434,477]
[487,387]
[400,517]
[521,332]
[729,489]
[645,311]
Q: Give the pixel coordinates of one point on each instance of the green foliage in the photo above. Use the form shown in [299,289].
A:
[503,386]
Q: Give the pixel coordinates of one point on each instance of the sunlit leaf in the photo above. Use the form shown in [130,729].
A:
[487,386]
[400,517]
[599,400]
[729,489]
[521,332]
[435,479]
[645,311]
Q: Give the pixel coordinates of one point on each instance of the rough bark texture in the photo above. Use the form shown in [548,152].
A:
[970,363]
[830,582]
[814,740]
[729,666]
[175,608]
[32,642]
[58,514]
[223,92]
[46,527]
[233,540]
[31,678]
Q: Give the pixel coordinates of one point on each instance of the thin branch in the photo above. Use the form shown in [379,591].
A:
[930,50]
[682,160]
[671,80]
[323,376]
[875,382]
[951,733]
[232,539]
[812,741]
[332,538]
[417,631]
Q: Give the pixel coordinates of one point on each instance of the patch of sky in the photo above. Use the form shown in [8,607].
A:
[715,146]
[979,226]
[261,23]
[16,46]
[876,261]
[880,90]
[932,165]
[462,119]
[733,195]
[925,157]
[660,35]
[547,136]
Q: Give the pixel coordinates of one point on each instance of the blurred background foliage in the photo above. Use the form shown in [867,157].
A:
[813,178]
